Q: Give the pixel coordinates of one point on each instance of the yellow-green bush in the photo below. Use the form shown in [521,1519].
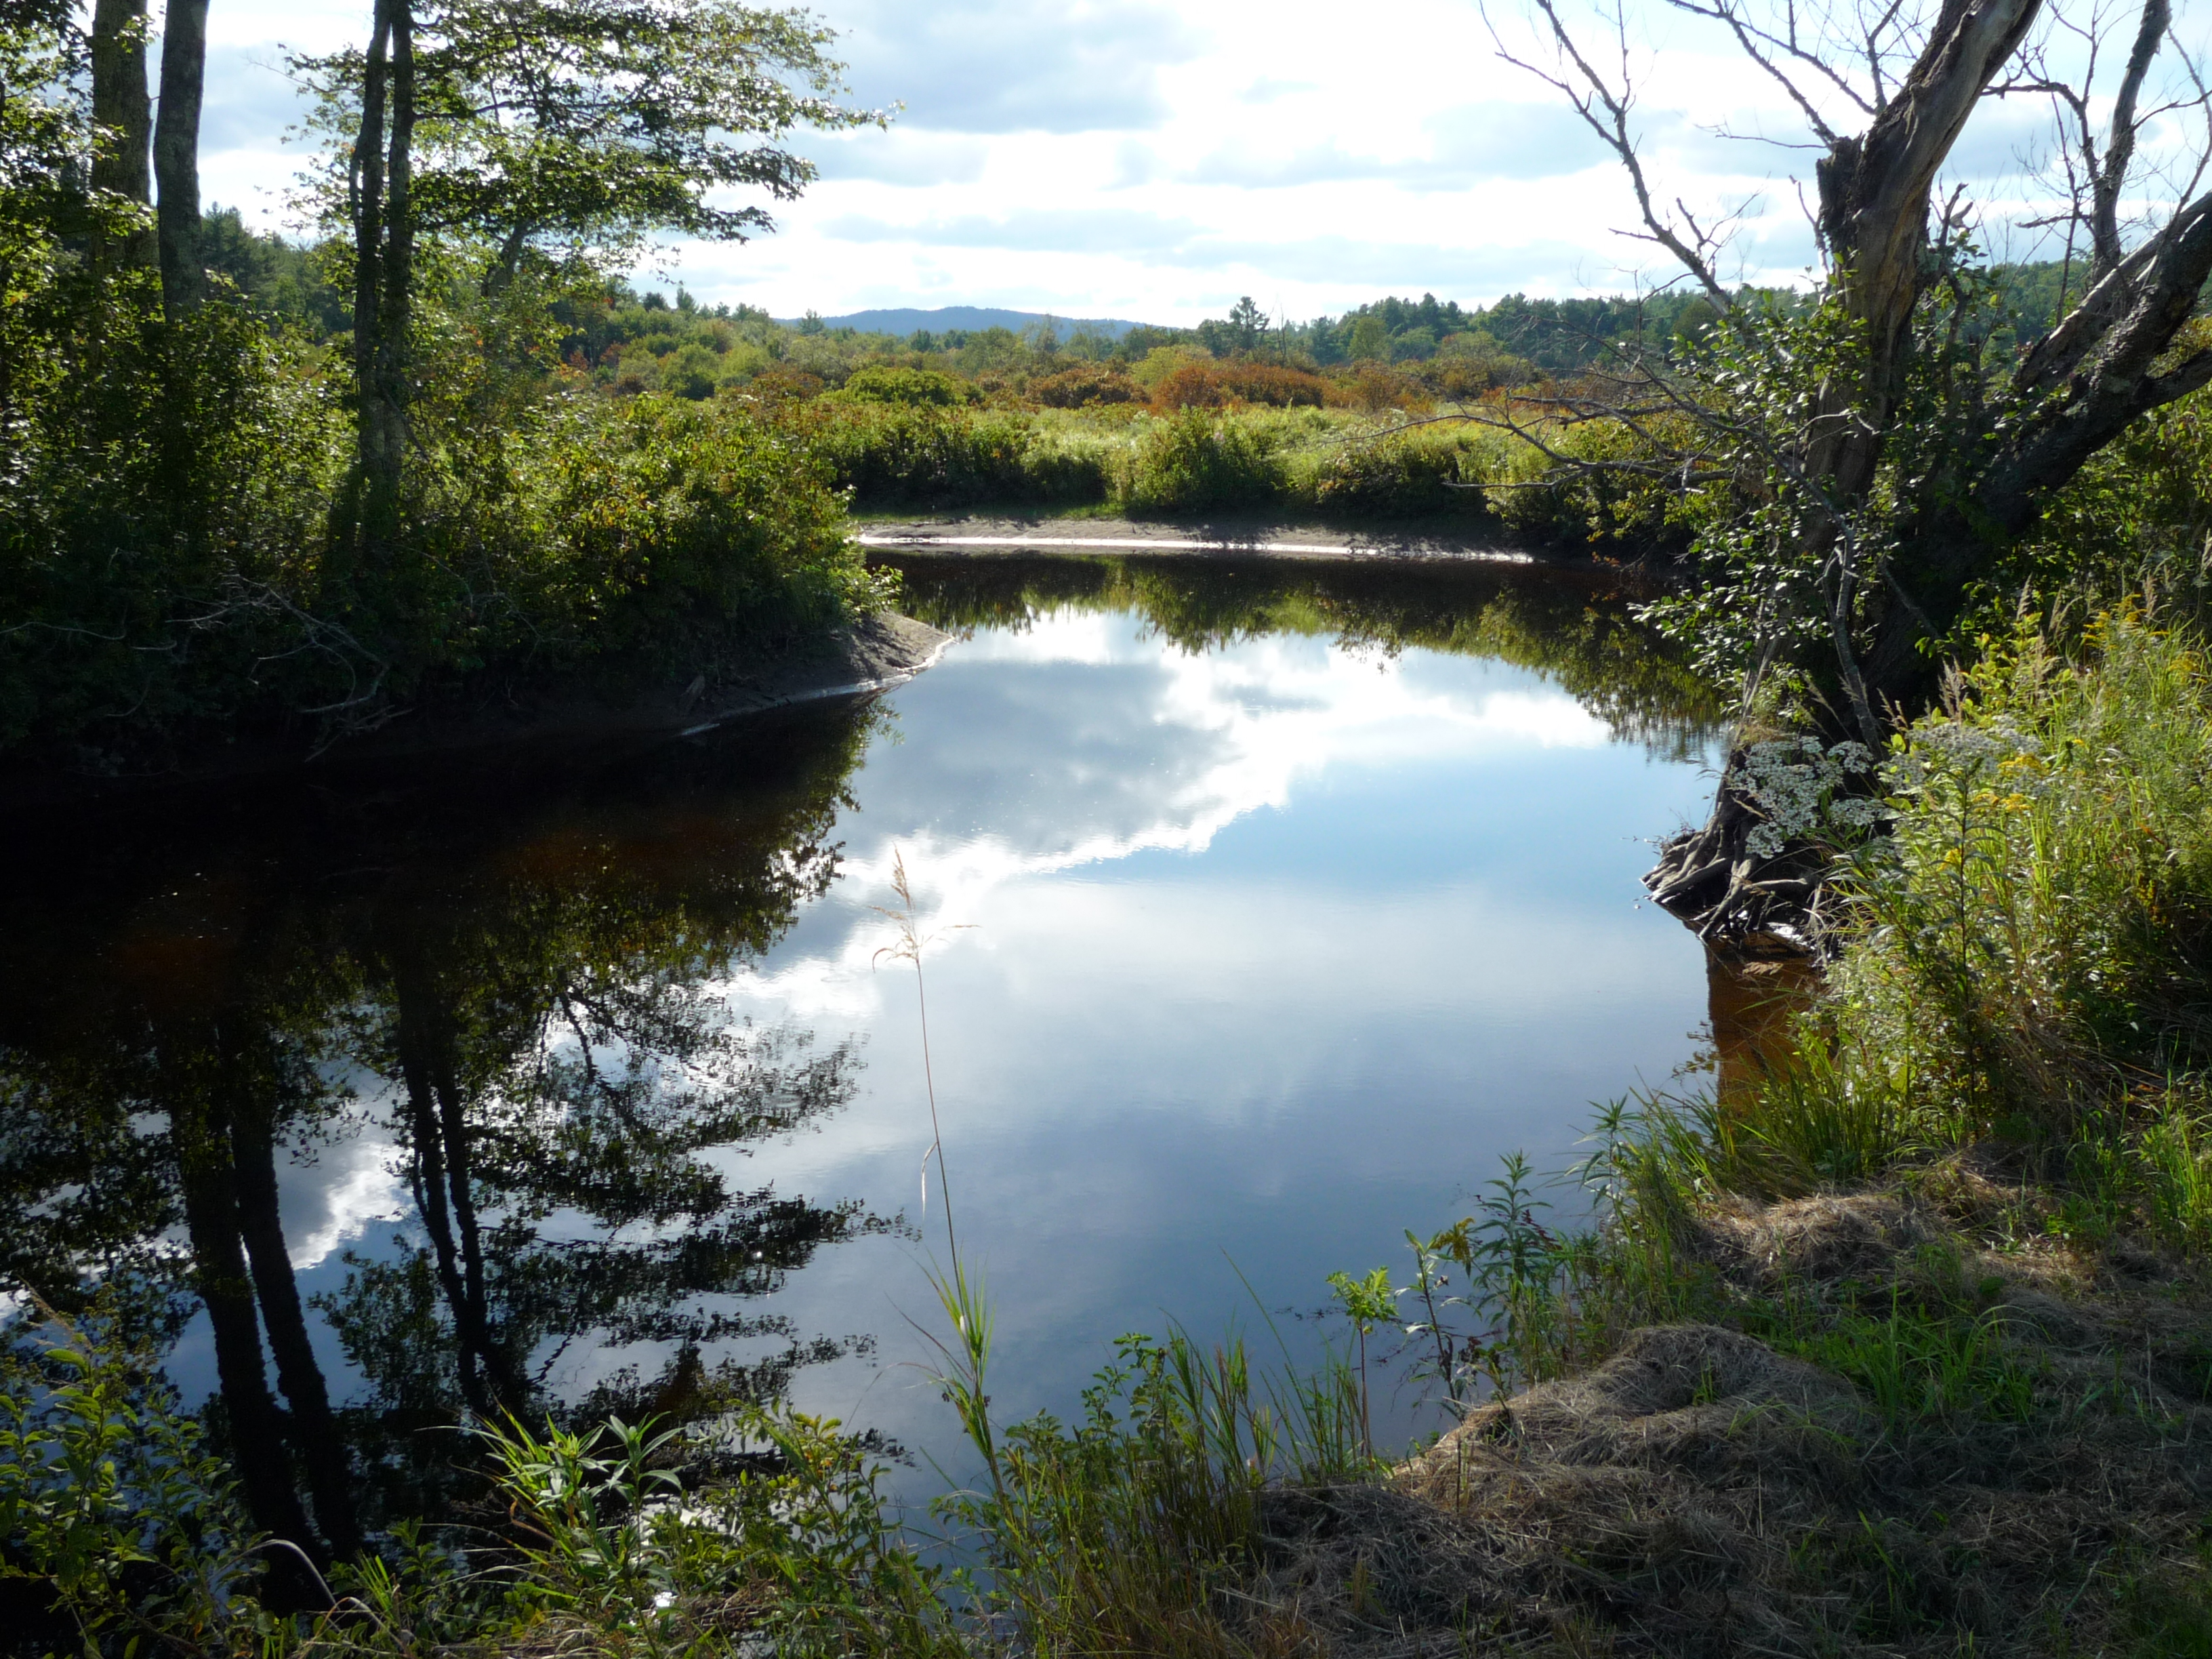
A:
[1572,494]
[655,519]
[1198,462]
[1427,471]
[2037,927]
[892,455]
[2027,949]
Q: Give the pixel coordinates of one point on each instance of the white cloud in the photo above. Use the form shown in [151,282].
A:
[1129,158]
[350,1182]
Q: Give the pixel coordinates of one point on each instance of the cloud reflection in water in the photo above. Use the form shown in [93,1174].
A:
[1275,948]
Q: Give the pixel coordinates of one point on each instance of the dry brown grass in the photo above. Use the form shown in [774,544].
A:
[1701,1493]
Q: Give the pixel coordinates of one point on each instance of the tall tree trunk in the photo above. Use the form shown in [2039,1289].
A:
[382,179]
[121,108]
[177,157]
[313,1430]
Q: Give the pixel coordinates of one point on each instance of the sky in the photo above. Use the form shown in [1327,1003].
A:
[1152,161]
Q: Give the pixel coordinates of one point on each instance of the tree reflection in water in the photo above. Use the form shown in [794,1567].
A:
[507,972]
[1575,625]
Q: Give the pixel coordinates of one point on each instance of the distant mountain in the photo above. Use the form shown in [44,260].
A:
[905,320]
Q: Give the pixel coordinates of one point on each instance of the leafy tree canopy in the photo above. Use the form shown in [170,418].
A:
[576,130]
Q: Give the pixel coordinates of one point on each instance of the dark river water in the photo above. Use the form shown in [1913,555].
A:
[1268,906]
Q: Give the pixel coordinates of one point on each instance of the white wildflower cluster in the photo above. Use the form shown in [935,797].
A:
[1983,752]
[1801,788]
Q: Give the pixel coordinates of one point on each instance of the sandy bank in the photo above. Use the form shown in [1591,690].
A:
[988,534]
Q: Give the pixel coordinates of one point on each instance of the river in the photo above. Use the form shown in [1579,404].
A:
[1262,908]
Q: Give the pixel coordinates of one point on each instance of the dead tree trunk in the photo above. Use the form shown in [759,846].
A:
[1896,559]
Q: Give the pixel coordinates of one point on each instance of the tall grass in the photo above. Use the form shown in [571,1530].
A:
[1200,458]
[1135,1528]
[1131,1531]
[2023,975]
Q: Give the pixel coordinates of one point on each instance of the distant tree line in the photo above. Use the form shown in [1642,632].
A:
[644,340]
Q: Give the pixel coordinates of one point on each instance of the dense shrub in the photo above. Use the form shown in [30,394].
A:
[654,519]
[168,568]
[778,383]
[907,456]
[1162,361]
[1464,375]
[1083,386]
[1399,476]
[919,388]
[1194,462]
[689,372]
[2038,925]
[1372,387]
[1213,384]
[1545,500]
[166,493]
[2137,515]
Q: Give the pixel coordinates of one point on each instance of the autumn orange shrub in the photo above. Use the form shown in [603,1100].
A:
[1373,388]
[1213,384]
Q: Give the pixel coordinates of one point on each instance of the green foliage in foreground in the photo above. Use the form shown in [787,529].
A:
[113,1512]
[758,1525]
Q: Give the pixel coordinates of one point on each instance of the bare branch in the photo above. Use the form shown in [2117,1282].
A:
[1605,114]
[1758,45]
[2120,147]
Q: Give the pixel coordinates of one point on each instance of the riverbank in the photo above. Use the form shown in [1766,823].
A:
[617,703]
[1903,1343]
[872,654]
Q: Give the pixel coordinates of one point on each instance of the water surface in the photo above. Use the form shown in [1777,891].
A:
[1264,909]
